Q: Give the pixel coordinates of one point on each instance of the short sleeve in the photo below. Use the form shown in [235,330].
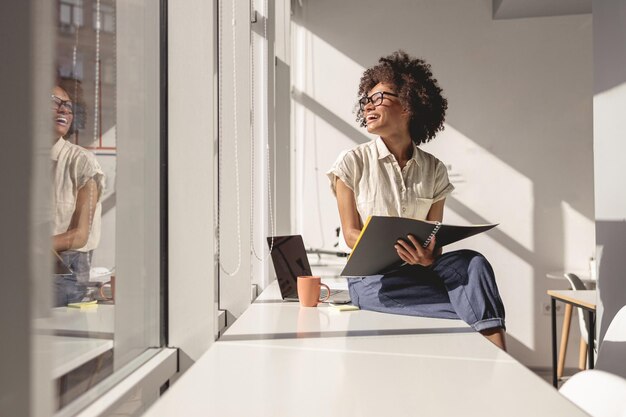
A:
[344,169]
[443,187]
[89,168]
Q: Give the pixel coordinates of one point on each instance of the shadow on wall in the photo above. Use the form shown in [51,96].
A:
[281,157]
[614,350]
[611,74]
[611,236]
[329,117]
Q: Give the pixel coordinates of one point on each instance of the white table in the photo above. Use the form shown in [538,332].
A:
[279,359]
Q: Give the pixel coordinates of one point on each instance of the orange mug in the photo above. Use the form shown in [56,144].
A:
[309,289]
[111,284]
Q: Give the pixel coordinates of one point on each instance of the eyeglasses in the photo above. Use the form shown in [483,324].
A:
[376,99]
[59,102]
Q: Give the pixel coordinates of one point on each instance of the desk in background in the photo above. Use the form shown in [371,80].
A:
[583,299]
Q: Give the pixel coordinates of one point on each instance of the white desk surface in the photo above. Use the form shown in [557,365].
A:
[279,359]
[585,297]
[69,353]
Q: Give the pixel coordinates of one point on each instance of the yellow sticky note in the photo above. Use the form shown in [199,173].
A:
[84,305]
[344,307]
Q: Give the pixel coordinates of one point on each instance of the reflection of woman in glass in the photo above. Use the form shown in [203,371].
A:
[402,104]
[78,186]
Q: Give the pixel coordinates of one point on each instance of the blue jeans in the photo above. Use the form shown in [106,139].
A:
[72,287]
[459,284]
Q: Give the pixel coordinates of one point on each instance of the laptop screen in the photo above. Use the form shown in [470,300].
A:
[290,261]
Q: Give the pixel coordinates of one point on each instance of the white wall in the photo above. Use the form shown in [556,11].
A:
[518,133]
[609,102]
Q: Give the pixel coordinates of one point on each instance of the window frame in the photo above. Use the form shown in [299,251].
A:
[185,324]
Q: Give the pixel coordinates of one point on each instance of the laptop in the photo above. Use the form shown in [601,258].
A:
[290,261]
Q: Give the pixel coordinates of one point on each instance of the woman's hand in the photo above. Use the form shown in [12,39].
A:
[413,253]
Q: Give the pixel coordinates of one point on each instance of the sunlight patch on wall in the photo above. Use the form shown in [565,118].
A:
[577,248]
[317,62]
[489,190]
[609,122]
[317,208]
[478,176]
[514,275]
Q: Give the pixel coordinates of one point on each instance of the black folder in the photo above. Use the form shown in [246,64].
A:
[374,251]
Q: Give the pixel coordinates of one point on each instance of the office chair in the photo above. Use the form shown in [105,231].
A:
[578,285]
[612,352]
[599,393]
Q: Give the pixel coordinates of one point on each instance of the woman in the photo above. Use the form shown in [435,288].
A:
[401,102]
[78,186]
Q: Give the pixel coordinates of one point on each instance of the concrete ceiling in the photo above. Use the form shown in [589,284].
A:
[516,9]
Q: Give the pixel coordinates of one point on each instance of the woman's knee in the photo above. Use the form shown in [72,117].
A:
[459,257]
[464,267]
[479,262]
[481,273]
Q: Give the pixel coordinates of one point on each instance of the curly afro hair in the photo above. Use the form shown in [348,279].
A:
[418,92]
[74,89]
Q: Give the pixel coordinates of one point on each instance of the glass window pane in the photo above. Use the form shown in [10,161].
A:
[78,15]
[108,23]
[105,210]
[65,14]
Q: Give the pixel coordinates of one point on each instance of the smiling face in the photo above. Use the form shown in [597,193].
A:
[388,117]
[62,112]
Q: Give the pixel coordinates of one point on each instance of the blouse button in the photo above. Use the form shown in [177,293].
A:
[404,209]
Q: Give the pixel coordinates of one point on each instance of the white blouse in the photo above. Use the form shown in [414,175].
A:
[72,167]
[381,188]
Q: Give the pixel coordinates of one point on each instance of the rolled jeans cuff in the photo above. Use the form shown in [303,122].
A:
[489,324]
